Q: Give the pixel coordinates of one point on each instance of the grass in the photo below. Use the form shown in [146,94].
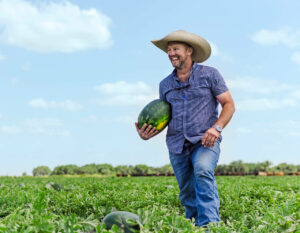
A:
[78,204]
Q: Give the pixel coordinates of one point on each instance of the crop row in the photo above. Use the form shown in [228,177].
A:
[61,204]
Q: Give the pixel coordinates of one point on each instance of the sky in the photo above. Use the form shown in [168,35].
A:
[74,75]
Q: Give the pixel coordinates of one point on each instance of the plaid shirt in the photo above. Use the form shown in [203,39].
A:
[194,105]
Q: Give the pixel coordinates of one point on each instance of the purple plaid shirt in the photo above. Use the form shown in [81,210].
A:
[194,105]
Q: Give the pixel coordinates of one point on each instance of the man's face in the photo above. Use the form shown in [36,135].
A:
[178,53]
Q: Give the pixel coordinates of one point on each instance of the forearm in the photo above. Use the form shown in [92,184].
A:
[226,114]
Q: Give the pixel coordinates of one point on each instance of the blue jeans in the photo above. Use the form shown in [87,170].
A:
[198,189]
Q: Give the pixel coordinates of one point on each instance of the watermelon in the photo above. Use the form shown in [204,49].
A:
[126,221]
[157,113]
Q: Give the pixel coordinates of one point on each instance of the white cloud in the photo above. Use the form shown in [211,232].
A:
[282,127]
[284,36]
[296,94]
[123,88]
[113,119]
[2,57]
[10,129]
[53,27]
[125,94]
[215,51]
[254,104]
[286,127]
[15,81]
[295,134]
[243,130]
[46,127]
[67,104]
[262,94]
[258,85]
[296,57]
[26,67]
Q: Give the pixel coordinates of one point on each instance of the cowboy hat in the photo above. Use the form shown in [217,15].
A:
[201,48]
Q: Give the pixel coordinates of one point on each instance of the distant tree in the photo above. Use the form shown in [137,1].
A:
[166,170]
[142,170]
[251,168]
[24,174]
[237,167]
[286,168]
[65,170]
[221,169]
[123,170]
[90,169]
[105,169]
[79,171]
[41,171]
[263,166]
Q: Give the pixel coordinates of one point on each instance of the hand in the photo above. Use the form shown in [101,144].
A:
[210,137]
[146,132]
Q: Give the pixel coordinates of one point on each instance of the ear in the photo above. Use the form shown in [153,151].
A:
[190,50]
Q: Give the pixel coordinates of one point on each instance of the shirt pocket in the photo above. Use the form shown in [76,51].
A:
[199,91]
[173,96]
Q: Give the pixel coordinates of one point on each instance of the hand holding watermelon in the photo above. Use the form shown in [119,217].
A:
[147,131]
[153,118]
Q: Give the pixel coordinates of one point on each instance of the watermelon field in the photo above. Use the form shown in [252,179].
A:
[79,204]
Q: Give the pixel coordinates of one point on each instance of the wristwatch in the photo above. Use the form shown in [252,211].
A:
[218,128]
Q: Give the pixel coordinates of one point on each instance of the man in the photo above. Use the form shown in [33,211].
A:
[194,132]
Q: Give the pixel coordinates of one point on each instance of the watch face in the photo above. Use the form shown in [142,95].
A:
[218,128]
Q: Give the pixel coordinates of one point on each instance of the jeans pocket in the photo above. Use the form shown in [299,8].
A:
[216,148]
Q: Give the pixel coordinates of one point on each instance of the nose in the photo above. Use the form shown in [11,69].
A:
[171,52]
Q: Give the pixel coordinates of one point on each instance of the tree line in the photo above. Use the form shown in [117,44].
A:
[233,168]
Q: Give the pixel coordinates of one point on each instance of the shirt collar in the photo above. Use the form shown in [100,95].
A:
[191,71]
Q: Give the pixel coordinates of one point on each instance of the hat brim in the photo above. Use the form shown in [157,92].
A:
[201,48]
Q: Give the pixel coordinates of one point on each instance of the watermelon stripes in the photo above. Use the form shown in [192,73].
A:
[157,113]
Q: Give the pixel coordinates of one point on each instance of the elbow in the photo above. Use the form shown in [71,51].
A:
[233,107]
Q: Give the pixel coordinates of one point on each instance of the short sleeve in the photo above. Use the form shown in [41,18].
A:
[218,85]
[161,95]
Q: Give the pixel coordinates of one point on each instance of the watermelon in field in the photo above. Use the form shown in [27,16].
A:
[126,221]
[157,113]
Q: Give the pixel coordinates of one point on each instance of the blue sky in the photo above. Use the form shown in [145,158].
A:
[74,76]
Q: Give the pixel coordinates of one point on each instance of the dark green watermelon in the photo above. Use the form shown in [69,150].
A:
[126,221]
[157,113]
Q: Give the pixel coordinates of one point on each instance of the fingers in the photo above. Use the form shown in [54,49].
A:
[148,129]
[150,132]
[210,138]
[143,127]
[207,141]
[153,132]
[146,132]
[136,126]
[215,140]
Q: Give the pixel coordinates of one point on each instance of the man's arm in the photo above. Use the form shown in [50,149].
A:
[228,108]
[211,135]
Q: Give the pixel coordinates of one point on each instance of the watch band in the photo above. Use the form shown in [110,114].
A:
[218,128]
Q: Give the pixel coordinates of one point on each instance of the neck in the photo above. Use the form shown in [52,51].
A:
[184,72]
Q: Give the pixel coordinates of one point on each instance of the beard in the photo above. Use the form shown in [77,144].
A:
[177,65]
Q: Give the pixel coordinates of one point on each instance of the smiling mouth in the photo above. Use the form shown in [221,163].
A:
[174,59]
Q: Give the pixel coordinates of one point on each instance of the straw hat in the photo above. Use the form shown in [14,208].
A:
[201,47]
